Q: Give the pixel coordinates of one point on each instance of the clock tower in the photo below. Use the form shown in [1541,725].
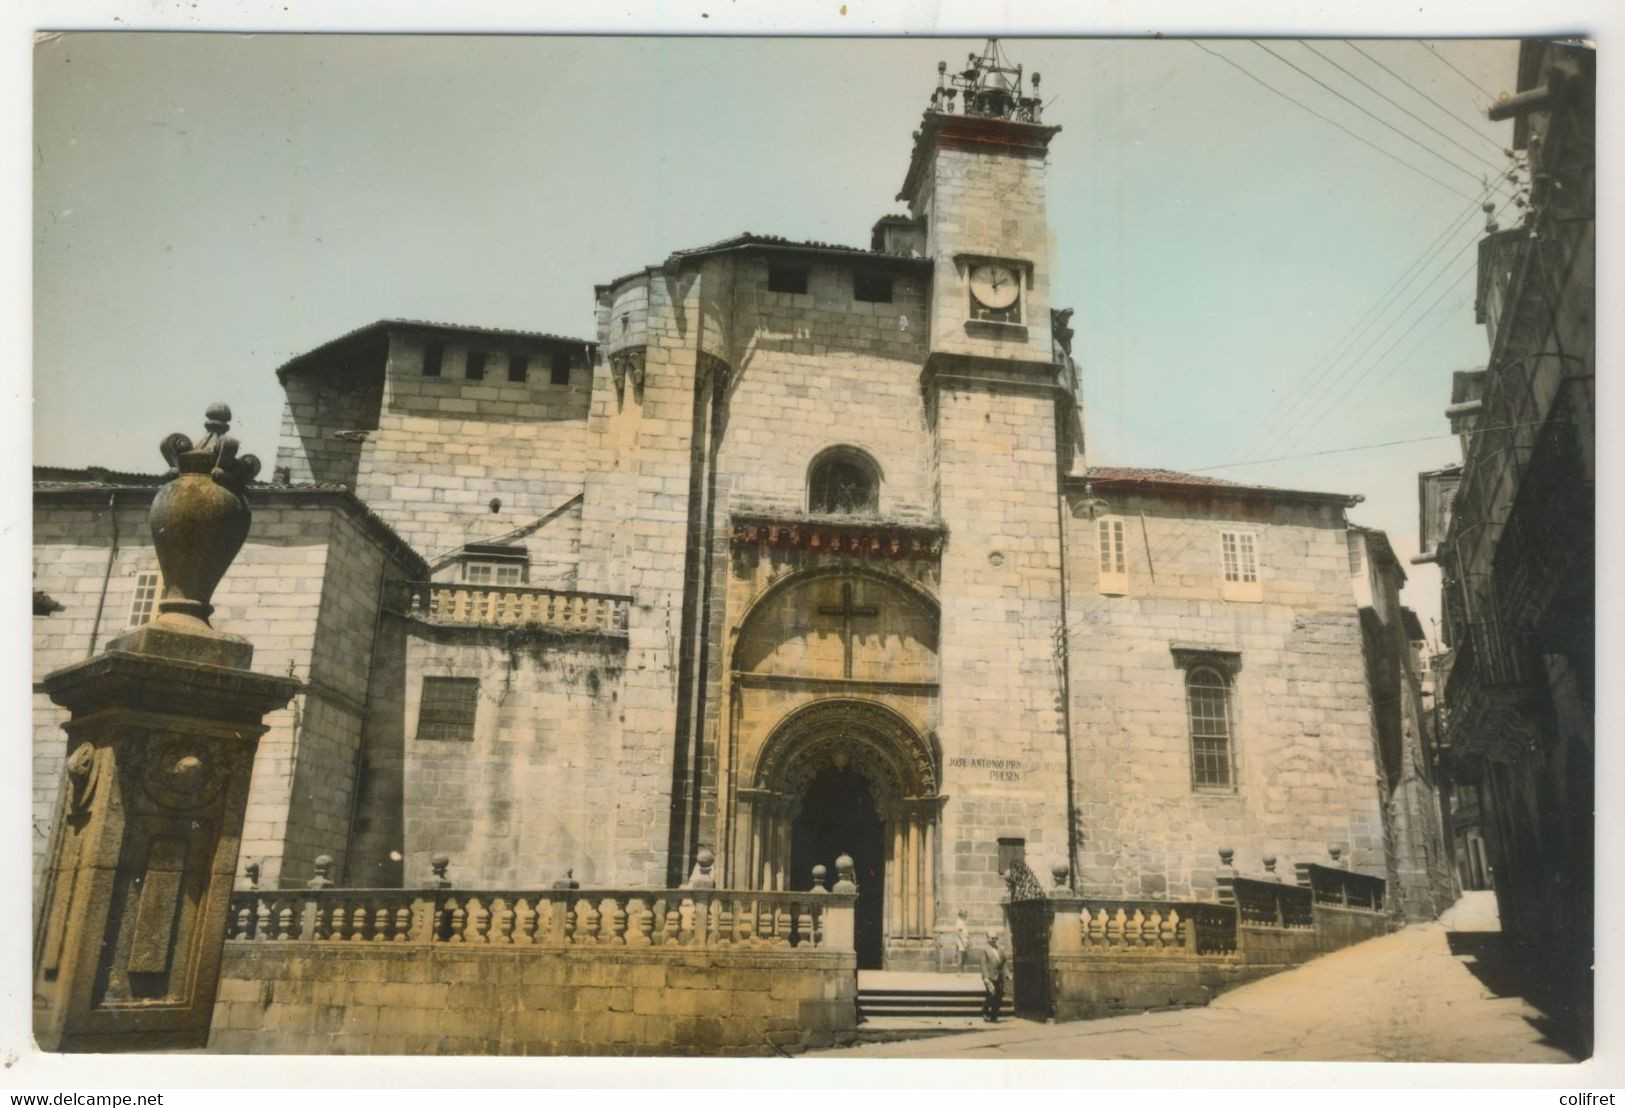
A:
[1001,414]
[976,183]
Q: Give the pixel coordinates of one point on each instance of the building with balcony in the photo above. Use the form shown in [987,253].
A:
[1511,529]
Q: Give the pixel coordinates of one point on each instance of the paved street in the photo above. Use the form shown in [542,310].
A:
[1428,993]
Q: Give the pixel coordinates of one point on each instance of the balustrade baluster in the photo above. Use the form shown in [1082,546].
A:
[241,920]
[527,918]
[503,934]
[685,921]
[640,922]
[586,921]
[284,920]
[612,926]
[480,918]
[804,924]
[459,920]
[402,929]
[1114,928]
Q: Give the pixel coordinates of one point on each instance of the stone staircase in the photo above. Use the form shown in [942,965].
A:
[889,998]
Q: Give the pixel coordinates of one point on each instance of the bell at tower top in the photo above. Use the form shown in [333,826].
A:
[989,106]
[988,87]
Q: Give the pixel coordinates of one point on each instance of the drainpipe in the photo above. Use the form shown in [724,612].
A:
[107,574]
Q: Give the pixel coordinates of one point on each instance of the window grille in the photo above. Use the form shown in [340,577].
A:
[1240,557]
[446,711]
[1207,698]
[145,604]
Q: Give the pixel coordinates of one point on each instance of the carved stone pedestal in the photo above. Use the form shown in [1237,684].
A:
[161,745]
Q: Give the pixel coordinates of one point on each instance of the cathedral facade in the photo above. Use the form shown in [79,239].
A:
[800,555]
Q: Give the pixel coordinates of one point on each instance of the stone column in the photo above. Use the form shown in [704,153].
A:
[163,731]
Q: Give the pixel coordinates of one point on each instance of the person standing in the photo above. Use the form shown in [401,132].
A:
[992,978]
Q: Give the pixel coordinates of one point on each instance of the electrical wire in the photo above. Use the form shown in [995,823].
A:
[1355,76]
[1471,126]
[1414,141]
[1488,95]
[1327,119]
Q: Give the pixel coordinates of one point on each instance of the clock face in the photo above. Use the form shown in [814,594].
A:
[994,286]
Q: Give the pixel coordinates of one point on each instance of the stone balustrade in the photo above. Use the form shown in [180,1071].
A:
[551,918]
[1333,887]
[1267,903]
[465,605]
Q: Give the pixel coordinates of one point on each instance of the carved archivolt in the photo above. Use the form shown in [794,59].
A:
[863,736]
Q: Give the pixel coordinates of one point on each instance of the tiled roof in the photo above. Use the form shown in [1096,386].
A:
[1168,478]
[383,324]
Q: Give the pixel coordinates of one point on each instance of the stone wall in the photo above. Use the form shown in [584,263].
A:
[309,556]
[540,786]
[324,998]
[1304,768]
[447,446]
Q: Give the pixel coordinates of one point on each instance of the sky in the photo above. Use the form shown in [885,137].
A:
[207,206]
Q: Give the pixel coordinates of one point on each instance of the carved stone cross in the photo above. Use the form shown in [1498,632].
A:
[848,612]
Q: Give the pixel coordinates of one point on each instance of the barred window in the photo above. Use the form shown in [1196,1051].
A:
[145,604]
[1112,555]
[1240,557]
[446,711]
[1207,697]
[518,368]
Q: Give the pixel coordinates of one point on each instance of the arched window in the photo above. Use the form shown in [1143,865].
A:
[1207,698]
[843,482]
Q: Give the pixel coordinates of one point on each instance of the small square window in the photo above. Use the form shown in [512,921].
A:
[786,278]
[494,573]
[1012,853]
[447,708]
[561,368]
[434,353]
[145,603]
[872,287]
[474,368]
[518,368]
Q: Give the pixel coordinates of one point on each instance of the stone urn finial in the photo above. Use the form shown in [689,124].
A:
[252,872]
[819,874]
[199,520]
[324,870]
[1059,871]
[702,878]
[846,878]
[1336,851]
[438,864]
[1269,864]
[568,881]
[1227,857]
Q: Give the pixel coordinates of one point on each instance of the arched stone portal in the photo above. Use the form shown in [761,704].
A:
[852,766]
